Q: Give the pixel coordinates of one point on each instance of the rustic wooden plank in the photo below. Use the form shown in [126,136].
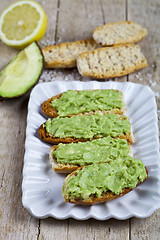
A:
[53,229]
[113,11]
[50,8]
[77,20]
[15,221]
[93,229]
[147,13]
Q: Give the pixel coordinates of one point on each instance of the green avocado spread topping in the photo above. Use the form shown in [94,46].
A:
[74,102]
[96,179]
[99,150]
[87,127]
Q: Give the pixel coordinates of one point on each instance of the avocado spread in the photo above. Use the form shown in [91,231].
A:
[98,150]
[87,127]
[74,102]
[96,179]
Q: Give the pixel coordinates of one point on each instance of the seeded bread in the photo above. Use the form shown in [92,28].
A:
[111,62]
[119,33]
[64,55]
[105,197]
[52,112]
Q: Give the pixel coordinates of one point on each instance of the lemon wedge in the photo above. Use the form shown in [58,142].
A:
[22,23]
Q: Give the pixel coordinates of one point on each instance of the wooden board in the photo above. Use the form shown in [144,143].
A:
[146,13]
[70,20]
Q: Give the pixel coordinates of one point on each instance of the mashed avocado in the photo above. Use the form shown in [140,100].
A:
[98,178]
[98,150]
[87,127]
[74,102]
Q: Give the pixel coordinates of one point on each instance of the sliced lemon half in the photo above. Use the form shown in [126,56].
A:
[22,23]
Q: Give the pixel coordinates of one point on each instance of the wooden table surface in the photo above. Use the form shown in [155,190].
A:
[70,20]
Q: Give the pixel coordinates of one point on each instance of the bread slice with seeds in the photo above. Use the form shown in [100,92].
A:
[64,55]
[123,32]
[111,62]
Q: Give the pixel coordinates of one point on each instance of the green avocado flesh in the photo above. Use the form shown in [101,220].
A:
[87,127]
[22,72]
[74,102]
[99,150]
[96,179]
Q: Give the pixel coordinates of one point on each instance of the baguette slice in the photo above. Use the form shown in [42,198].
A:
[77,125]
[59,167]
[64,55]
[93,198]
[53,112]
[46,137]
[119,33]
[111,62]
[91,153]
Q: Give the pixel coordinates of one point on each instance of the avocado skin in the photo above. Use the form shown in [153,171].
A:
[38,77]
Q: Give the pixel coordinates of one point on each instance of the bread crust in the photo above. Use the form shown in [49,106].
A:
[64,55]
[92,64]
[48,109]
[59,167]
[105,197]
[52,112]
[44,135]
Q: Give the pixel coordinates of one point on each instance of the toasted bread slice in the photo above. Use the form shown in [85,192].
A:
[51,111]
[119,33]
[46,137]
[91,198]
[64,55]
[111,62]
[59,167]
[81,128]
[65,158]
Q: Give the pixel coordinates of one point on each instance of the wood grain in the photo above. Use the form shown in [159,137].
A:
[147,13]
[52,11]
[15,220]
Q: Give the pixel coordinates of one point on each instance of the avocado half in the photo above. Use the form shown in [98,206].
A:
[22,72]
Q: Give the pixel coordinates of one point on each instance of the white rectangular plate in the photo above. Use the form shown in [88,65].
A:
[42,186]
